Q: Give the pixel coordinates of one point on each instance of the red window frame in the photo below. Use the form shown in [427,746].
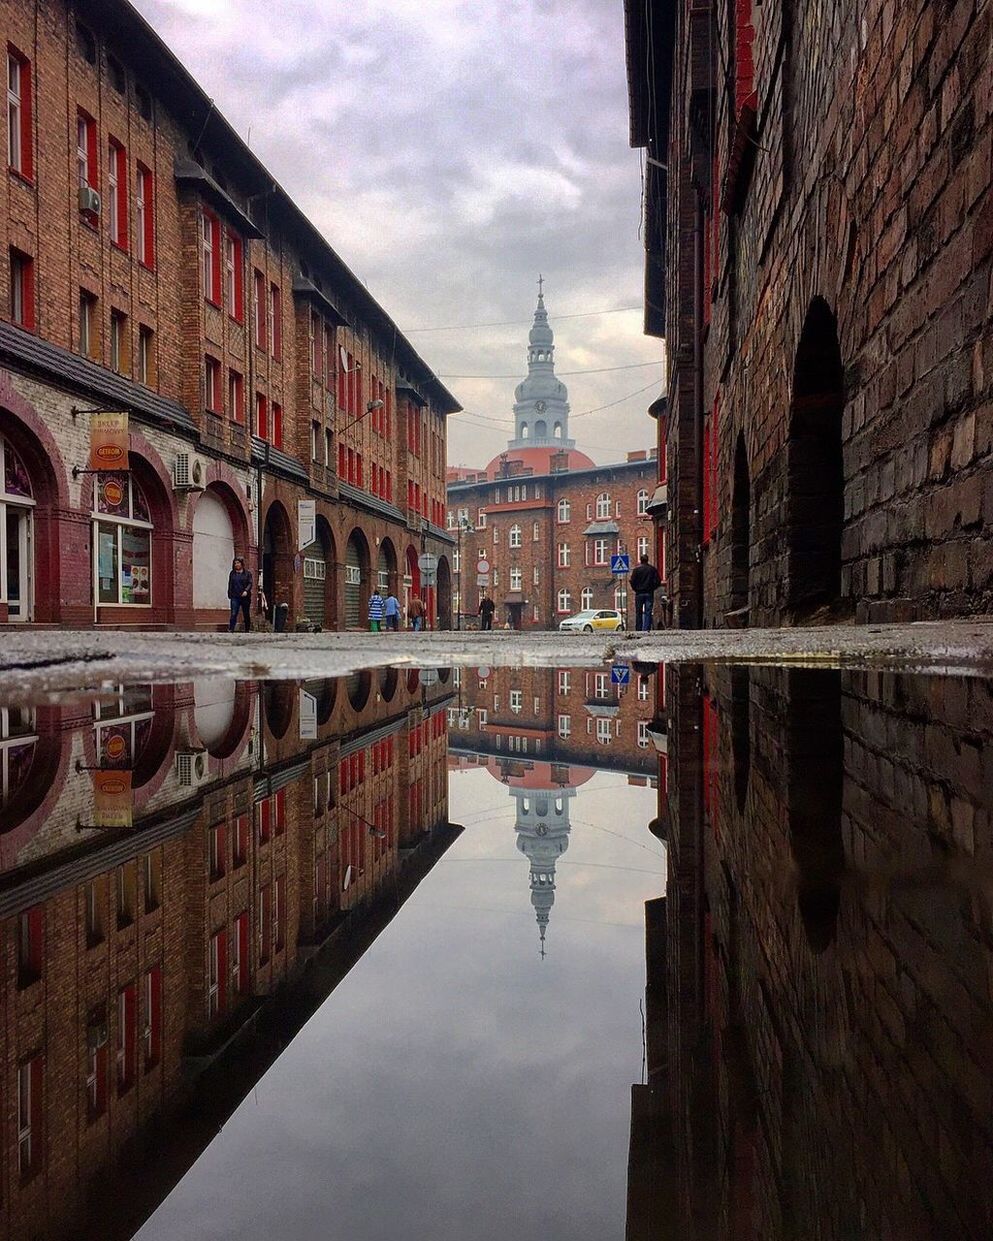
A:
[30,1116]
[212,384]
[234,263]
[23,150]
[217,853]
[240,973]
[145,215]
[236,396]
[261,416]
[30,945]
[241,842]
[261,311]
[217,973]
[22,289]
[277,425]
[117,192]
[276,326]
[127,1034]
[152,1034]
[342,461]
[91,170]
[213,291]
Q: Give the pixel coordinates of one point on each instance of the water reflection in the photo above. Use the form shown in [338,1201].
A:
[819,1049]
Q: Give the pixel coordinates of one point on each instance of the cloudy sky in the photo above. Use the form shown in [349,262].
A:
[450,150]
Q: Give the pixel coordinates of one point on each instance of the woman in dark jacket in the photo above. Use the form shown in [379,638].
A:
[240,594]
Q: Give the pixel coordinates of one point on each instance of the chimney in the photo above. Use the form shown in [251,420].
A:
[641,455]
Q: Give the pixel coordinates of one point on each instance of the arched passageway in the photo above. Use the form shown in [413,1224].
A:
[815,489]
[386,568]
[357,583]
[220,533]
[444,593]
[277,558]
[319,577]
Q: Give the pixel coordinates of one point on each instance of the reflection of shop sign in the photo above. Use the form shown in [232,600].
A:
[108,441]
[112,801]
[116,748]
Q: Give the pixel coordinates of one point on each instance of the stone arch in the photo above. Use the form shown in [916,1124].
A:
[216,542]
[741,509]
[29,501]
[540,429]
[388,680]
[815,771]
[221,714]
[358,686]
[324,692]
[277,557]
[358,584]
[444,593]
[277,707]
[815,483]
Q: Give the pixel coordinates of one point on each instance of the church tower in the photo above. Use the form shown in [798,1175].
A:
[542,826]
[541,402]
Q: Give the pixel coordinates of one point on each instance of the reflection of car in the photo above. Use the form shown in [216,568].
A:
[593,619]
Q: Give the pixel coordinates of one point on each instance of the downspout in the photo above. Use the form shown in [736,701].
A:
[698,296]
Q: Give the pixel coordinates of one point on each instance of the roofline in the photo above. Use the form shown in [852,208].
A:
[126,28]
[529,478]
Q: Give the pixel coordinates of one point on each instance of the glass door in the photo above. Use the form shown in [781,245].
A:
[16,558]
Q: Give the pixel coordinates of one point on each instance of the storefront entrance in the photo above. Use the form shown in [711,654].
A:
[16,535]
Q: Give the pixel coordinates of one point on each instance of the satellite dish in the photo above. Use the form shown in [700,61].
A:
[343,357]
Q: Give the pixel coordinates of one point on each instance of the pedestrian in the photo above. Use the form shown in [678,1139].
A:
[486,609]
[376,609]
[392,611]
[645,581]
[239,594]
[416,613]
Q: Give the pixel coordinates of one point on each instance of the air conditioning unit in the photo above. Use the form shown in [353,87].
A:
[89,200]
[191,768]
[189,472]
[96,1035]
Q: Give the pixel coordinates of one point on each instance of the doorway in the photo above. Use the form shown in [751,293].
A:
[17,558]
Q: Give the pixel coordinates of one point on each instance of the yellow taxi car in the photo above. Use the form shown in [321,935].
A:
[593,620]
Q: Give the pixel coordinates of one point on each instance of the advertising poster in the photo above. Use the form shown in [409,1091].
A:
[112,799]
[108,441]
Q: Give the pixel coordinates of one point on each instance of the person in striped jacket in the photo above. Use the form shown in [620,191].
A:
[377,609]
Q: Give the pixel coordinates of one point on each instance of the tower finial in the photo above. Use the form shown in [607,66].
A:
[541,281]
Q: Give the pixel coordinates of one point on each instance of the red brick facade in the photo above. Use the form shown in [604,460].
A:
[150,265]
[818,259]
[131,960]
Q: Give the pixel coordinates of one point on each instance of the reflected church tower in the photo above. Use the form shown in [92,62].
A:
[542,826]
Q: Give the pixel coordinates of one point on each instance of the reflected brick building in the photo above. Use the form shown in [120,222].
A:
[155,268]
[818,245]
[543,516]
[274,835]
[820,1007]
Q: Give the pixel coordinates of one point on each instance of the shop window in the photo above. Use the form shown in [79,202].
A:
[122,540]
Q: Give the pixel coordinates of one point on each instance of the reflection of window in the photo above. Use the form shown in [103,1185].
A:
[30,1116]
[122,726]
[122,536]
[17,746]
[563,681]
[642,734]
[516,700]
[565,725]
[603,733]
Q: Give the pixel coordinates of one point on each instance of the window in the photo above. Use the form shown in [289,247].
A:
[236,397]
[153,880]
[536,575]
[565,725]
[481,717]
[127,1034]
[563,681]
[275,322]
[563,555]
[564,511]
[621,599]
[122,542]
[480,519]
[144,103]
[144,216]
[86,44]
[119,351]
[30,1116]
[260,310]
[315,441]
[261,416]
[30,945]
[643,686]
[516,579]
[642,546]
[586,598]
[234,298]
[152,1031]
[242,837]
[642,502]
[642,734]
[316,347]
[279,911]
[217,850]
[146,355]
[210,256]
[217,970]
[599,551]
[127,894]
[603,506]
[601,685]
[93,913]
[496,536]
[537,705]
[536,531]
[603,731]
[22,290]
[514,539]
[329,458]
[117,193]
[265,923]
[239,955]
[212,384]
[20,146]
[96,1063]
[516,700]
[115,71]
[564,601]
[89,339]
[86,152]
[277,428]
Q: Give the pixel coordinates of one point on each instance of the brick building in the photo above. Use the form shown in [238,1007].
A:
[273,831]
[818,233]
[542,515]
[817,1014]
[151,265]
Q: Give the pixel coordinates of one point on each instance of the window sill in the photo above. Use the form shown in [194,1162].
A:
[22,178]
[121,249]
[149,267]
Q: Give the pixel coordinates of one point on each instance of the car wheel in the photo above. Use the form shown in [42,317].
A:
[587,629]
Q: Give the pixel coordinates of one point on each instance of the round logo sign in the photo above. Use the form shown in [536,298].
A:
[113,786]
[111,454]
[113,493]
[115,746]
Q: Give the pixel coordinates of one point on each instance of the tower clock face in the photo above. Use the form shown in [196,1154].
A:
[539,407]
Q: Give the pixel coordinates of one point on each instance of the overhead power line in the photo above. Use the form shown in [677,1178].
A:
[505,421]
[460,327]
[598,370]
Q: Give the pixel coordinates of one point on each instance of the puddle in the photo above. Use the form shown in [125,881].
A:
[556,953]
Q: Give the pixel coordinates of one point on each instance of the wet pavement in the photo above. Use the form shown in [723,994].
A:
[700,949]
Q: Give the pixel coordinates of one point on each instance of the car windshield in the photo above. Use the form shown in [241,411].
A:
[587,615]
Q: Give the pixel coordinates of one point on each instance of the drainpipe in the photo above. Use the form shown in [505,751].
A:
[698,296]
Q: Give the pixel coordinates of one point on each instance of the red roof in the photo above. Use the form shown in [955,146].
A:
[539,460]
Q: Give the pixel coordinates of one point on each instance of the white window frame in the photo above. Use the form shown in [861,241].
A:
[604,732]
[603,506]
[15,114]
[230,251]
[564,514]
[535,531]
[564,680]
[564,602]
[565,726]
[564,555]
[481,519]
[643,735]
[516,701]
[642,546]
[99,519]
[642,502]
[586,599]
[514,537]
[516,578]
[207,256]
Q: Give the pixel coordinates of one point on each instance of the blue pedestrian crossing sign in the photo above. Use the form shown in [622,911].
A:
[620,563]
[620,674]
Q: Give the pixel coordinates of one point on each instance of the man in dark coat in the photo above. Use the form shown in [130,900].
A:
[486,609]
[645,581]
